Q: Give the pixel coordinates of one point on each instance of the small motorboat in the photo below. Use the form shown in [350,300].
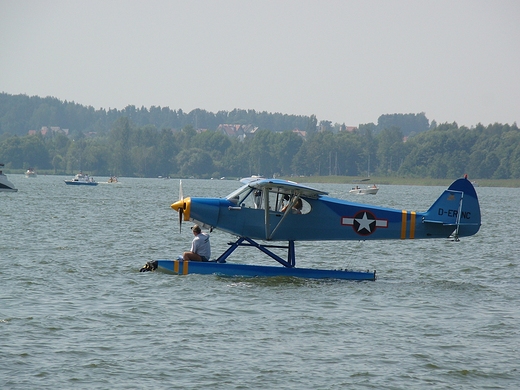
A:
[6,185]
[370,190]
[81,179]
[30,173]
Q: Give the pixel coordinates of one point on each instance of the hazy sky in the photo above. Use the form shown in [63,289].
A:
[343,61]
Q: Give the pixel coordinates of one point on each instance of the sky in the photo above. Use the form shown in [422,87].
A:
[345,61]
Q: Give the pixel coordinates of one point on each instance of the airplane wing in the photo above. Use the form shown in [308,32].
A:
[246,180]
[286,186]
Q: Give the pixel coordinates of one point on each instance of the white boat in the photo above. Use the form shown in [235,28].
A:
[6,185]
[370,190]
[30,173]
[81,179]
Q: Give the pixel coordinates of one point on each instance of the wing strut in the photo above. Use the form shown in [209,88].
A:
[267,215]
[286,212]
[246,241]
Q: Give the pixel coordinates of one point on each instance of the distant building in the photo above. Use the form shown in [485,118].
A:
[301,133]
[237,131]
[48,131]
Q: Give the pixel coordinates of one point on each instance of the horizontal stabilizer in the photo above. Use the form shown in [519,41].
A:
[439,222]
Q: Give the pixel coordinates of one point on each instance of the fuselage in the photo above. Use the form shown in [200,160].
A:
[327,218]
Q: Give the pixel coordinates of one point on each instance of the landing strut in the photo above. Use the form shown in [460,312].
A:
[245,241]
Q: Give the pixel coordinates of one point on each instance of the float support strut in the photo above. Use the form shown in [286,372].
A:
[291,256]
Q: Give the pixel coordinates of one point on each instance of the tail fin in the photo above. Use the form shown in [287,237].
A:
[458,206]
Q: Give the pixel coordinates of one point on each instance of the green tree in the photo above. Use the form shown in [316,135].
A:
[44,115]
[167,151]
[195,162]
[390,150]
[119,162]
[237,160]
[145,161]
[58,163]
[35,153]
[410,124]
[95,157]
[350,154]
[515,162]
[11,152]
[489,166]
[314,158]
[312,125]
[263,160]
[286,146]
[370,145]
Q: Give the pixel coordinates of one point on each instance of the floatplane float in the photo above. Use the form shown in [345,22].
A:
[254,213]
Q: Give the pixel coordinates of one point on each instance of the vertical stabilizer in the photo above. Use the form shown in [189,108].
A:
[458,206]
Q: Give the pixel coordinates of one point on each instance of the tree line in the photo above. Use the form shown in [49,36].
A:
[129,149]
[20,113]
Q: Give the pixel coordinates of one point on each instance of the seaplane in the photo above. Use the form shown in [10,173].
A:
[269,213]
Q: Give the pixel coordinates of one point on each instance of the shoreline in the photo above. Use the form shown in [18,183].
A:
[350,180]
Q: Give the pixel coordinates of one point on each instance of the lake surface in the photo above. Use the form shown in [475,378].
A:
[76,313]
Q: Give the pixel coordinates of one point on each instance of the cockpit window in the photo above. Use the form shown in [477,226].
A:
[278,200]
[297,205]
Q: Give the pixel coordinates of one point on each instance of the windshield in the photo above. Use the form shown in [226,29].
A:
[238,196]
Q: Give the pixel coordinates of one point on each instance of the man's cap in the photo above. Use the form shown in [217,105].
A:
[196,228]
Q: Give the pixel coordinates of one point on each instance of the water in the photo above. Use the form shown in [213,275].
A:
[75,312]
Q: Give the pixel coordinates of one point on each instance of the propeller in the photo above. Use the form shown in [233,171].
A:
[181,209]
[182,206]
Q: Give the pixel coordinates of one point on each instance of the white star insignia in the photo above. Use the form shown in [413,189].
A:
[364,223]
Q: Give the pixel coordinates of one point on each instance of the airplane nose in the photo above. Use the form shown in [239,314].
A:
[184,205]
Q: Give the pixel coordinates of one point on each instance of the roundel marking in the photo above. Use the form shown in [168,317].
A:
[364,223]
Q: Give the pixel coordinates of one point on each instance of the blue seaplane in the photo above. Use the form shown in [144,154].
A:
[273,213]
